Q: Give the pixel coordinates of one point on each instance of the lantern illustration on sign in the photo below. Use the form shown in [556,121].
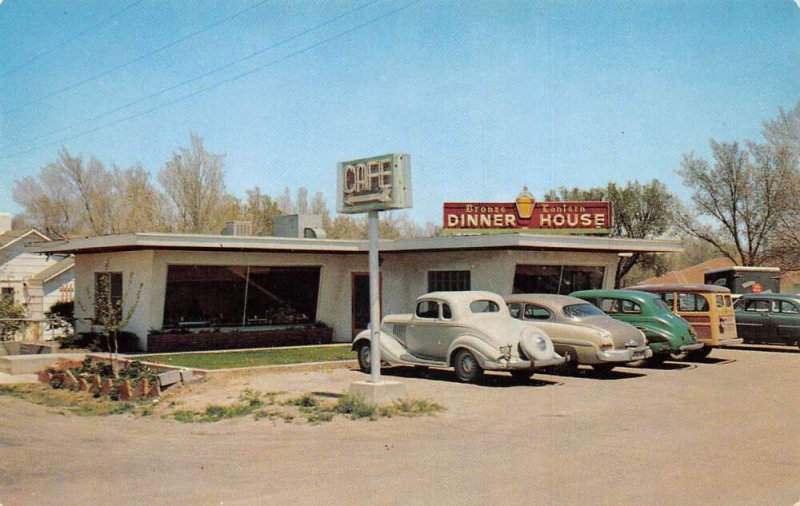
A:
[525,203]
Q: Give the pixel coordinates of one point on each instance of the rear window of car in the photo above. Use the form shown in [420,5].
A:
[629,307]
[581,311]
[720,300]
[484,306]
[662,305]
[536,313]
[692,302]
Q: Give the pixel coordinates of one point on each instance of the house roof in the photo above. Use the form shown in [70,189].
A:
[161,241]
[56,269]
[692,275]
[12,236]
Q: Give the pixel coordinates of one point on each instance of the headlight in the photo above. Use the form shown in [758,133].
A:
[541,343]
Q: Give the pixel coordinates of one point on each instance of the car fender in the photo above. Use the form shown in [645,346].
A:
[651,330]
[392,351]
[483,351]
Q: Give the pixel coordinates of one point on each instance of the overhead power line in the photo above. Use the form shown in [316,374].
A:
[67,41]
[225,81]
[131,62]
[192,79]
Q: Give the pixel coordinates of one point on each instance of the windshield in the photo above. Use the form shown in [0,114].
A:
[582,311]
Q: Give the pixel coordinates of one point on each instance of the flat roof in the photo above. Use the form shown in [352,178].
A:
[740,268]
[163,241]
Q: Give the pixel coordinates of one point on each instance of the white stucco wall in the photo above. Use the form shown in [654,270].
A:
[405,277]
[136,268]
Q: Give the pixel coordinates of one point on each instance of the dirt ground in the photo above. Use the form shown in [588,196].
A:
[724,431]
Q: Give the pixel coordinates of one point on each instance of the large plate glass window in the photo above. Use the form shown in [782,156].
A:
[214,296]
[559,279]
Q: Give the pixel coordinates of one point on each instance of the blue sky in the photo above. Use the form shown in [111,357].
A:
[485,96]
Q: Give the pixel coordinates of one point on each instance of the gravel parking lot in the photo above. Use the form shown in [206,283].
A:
[723,431]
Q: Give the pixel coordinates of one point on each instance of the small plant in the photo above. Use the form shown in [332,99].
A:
[355,407]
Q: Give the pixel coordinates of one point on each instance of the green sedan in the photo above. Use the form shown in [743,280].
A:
[768,318]
[669,335]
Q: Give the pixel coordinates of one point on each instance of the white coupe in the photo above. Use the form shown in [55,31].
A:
[470,331]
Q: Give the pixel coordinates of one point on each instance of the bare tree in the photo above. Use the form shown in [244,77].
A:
[259,209]
[138,206]
[745,193]
[784,131]
[195,183]
[68,197]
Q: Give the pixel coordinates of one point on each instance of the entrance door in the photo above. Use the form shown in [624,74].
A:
[360,301]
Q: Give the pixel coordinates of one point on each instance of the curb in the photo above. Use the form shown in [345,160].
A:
[305,366]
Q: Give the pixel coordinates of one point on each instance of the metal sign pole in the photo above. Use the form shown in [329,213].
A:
[374,300]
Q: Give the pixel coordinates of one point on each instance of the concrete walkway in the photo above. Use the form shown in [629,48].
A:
[16,379]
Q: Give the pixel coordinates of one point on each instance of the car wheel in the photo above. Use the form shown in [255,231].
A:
[365,358]
[603,369]
[701,353]
[521,375]
[467,367]
[570,365]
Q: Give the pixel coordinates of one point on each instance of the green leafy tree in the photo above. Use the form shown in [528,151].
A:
[641,211]
[10,311]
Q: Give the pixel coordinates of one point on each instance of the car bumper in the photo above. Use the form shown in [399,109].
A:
[691,347]
[730,342]
[626,355]
[558,360]
[512,365]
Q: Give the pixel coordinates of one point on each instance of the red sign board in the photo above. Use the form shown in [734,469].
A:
[570,217]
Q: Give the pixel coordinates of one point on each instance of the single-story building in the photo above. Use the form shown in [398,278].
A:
[242,287]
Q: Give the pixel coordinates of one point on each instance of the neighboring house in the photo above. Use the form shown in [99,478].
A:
[32,280]
[693,275]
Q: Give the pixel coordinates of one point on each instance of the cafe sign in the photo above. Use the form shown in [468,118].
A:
[374,184]
[575,217]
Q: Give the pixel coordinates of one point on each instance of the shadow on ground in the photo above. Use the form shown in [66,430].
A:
[589,373]
[490,379]
[766,348]
[709,360]
[667,366]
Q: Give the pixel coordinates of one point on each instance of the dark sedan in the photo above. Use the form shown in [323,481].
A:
[768,318]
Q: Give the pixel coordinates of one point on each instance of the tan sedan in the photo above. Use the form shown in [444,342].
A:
[580,332]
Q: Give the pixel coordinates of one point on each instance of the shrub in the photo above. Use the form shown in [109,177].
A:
[356,407]
[8,309]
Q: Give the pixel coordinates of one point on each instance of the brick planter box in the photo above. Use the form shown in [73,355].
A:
[158,343]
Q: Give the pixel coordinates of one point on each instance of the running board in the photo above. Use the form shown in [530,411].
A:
[411,359]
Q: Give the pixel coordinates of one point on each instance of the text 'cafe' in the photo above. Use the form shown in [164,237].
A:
[236,290]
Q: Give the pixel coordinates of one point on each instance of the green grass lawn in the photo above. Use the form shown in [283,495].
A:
[234,359]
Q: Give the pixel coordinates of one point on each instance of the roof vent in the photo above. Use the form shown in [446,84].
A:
[238,228]
[308,226]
